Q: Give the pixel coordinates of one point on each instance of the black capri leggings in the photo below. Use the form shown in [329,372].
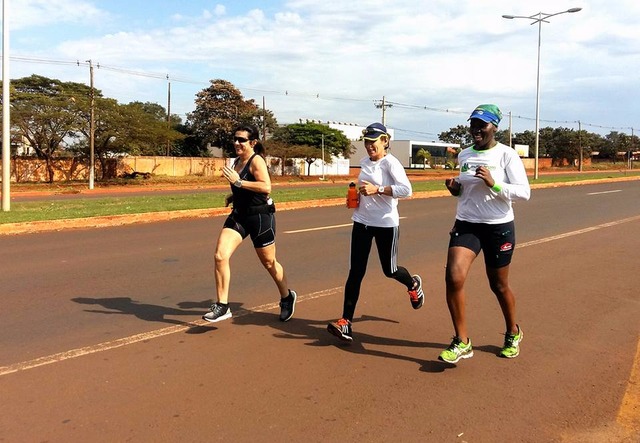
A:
[387,244]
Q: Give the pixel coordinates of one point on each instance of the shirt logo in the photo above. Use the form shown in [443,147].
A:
[471,166]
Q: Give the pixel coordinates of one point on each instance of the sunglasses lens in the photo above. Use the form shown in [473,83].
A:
[240,139]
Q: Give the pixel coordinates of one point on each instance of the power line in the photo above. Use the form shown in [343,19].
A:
[166,77]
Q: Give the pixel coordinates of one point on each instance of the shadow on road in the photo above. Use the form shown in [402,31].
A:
[145,311]
[295,329]
[316,331]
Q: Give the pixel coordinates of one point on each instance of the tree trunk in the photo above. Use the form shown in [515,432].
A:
[49,169]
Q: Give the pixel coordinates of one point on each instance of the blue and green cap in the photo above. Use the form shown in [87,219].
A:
[487,113]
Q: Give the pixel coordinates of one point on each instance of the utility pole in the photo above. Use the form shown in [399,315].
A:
[580,146]
[384,105]
[264,120]
[168,114]
[631,150]
[92,128]
[322,156]
[510,131]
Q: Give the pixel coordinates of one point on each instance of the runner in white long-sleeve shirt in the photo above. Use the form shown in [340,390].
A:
[492,176]
[382,181]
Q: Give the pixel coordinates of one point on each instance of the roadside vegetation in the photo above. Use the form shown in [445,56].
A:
[53,120]
[286,189]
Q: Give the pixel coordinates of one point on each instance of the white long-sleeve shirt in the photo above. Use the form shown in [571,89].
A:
[382,210]
[477,202]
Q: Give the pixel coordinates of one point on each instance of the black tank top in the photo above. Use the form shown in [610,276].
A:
[243,198]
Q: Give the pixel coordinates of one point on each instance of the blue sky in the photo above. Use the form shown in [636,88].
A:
[334,60]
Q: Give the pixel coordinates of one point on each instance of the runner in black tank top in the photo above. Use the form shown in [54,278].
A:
[253,215]
[243,198]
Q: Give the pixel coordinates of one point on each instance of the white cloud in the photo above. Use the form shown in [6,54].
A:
[440,54]
[36,13]
[220,10]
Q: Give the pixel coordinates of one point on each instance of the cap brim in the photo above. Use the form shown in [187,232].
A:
[484,118]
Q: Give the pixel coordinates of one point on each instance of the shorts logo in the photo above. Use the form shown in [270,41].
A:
[506,247]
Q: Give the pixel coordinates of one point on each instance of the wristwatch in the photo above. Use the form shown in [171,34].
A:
[380,189]
[237,183]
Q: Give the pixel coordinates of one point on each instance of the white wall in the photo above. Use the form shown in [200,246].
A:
[401,149]
[298,166]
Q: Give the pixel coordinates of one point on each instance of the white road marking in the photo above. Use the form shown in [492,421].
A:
[578,232]
[79,352]
[604,192]
[322,228]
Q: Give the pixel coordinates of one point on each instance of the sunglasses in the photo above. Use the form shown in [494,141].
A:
[240,139]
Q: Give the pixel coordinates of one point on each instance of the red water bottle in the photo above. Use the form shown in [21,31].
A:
[352,196]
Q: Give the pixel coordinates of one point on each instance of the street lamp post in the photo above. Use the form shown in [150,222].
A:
[539,18]
[6,111]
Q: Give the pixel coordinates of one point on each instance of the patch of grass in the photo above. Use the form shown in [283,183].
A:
[93,207]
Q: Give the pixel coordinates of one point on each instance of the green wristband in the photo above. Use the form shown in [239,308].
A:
[496,187]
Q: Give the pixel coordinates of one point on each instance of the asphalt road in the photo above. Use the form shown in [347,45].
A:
[102,338]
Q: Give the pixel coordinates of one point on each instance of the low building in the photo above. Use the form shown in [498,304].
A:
[406,150]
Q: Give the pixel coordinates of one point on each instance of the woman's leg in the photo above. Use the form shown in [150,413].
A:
[498,251]
[499,282]
[267,256]
[228,242]
[459,260]
[361,240]
[387,240]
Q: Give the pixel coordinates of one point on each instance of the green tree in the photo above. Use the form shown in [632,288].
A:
[221,107]
[135,128]
[191,145]
[503,136]
[150,133]
[615,142]
[280,150]
[526,138]
[545,141]
[558,143]
[424,156]
[460,134]
[109,123]
[45,112]
[306,140]
[315,135]
[159,114]
[587,142]
[156,111]
[309,153]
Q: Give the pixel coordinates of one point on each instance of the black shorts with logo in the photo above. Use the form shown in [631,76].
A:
[260,227]
[497,242]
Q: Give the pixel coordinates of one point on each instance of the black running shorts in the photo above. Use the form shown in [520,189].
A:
[497,242]
[261,227]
